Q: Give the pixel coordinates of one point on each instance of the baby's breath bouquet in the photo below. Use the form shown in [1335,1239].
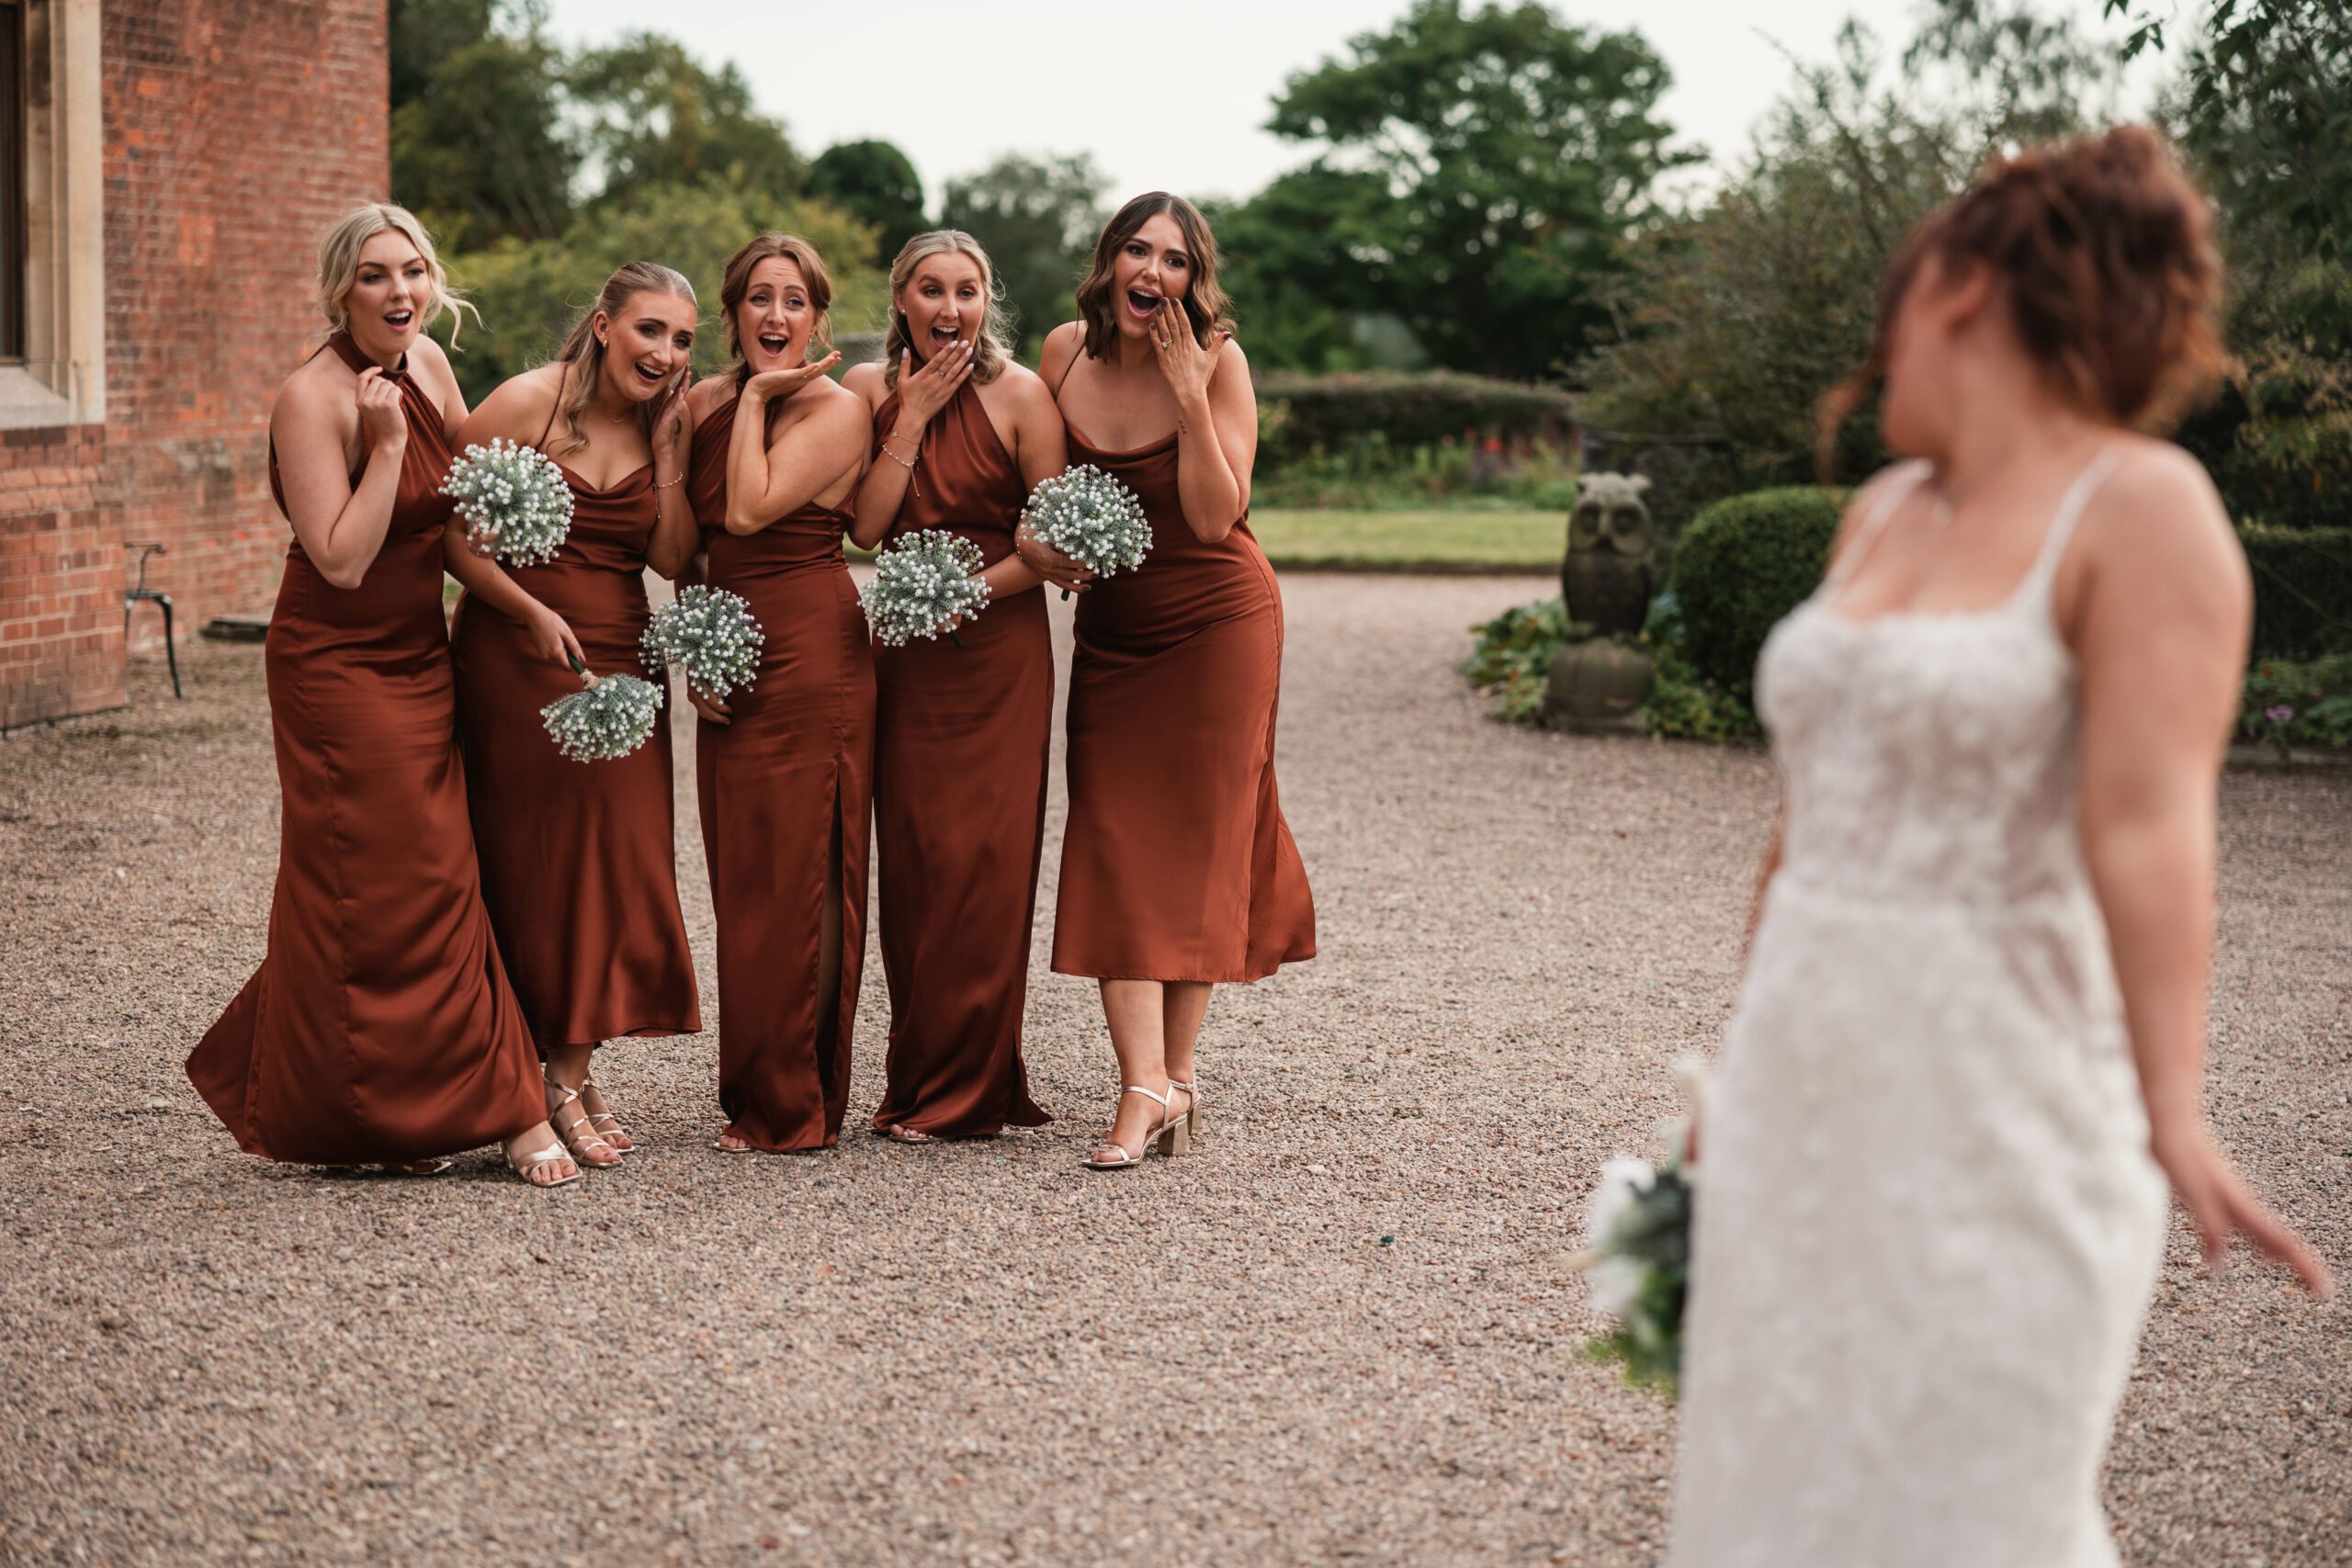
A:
[1092,518]
[516,501]
[612,717]
[922,585]
[710,634]
[1637,1256]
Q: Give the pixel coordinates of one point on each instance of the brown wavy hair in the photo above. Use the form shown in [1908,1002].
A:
[736,282]
[583,356]
[2104,250]
[1204,304]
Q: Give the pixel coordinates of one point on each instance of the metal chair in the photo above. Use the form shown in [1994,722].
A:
[131,597]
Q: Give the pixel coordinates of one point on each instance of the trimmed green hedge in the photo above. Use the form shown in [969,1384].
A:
[2303,590]
[1742,565]
[1299,414]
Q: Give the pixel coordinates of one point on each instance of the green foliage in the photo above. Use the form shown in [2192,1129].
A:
[1406,409]
[1684,704]
[1512,657]
[650,115]
[2305,705]
[1742,565]
[874,182]
[1480,166]
[1738,321]
[477,144]
[1038,220]
[529,293]
[2302,589]
[1291,309]
[1365,473]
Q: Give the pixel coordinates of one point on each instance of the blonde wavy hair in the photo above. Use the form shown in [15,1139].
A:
[582,353]
[992,345]
[339,266]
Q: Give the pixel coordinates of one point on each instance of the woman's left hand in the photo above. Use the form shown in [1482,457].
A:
[670,425]
[1182,360]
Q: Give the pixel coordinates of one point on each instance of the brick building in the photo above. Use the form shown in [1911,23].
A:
[166,169]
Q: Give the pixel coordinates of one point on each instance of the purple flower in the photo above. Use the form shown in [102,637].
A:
[2280,714]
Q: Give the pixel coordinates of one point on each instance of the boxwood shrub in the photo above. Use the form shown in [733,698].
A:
[1743,564]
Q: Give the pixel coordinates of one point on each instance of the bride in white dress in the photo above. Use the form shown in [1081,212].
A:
[1967,1057]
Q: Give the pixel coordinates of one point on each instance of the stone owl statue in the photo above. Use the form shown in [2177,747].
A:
[1606,575]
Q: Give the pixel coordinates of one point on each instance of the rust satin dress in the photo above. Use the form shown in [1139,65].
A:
[379,1025]
[961,736]
[579,860]
[785,791]
[1176,861]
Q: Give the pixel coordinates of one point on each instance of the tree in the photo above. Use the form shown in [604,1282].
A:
[477,140]
[877,182]
[1516,152]
[1293,306]
[650,115]
[1038,220]
[1734,322]
[528,294]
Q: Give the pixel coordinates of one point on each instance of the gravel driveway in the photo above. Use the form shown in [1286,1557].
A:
[1343,1331]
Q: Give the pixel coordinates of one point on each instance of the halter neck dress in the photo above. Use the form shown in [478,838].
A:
[579,860]
[1176,861]
[961,738]
[1928,1223]
[380,1025]
[786,791]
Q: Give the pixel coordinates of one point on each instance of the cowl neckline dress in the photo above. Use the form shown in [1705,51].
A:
[785,795]
[1177,863]
[961,739]
[579,860]
[380,1025]
[1928,1225]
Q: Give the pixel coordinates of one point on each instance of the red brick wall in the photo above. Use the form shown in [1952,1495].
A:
[236,130]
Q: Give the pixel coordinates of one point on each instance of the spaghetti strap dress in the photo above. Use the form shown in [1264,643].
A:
[961,739]
[579,860]
[785,791]
[1176,863]
[380,1025]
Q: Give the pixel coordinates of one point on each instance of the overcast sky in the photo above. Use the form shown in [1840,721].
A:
[1165,96]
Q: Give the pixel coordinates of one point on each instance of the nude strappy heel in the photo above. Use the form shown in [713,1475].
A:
[534,1163]
[1192,1106]
[1172,1136]
[580,1136]
[615,1136]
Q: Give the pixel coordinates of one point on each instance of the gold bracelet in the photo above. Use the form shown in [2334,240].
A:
[902,462]
[665,484]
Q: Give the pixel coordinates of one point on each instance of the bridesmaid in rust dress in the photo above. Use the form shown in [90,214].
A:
[379,1026]
[784,767]
[1178,870]
[579,861]
[961,733]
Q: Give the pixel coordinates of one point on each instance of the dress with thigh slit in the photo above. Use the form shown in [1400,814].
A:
[785,791]
[380,1025]
[579,860]
[961,737]
[1176,863]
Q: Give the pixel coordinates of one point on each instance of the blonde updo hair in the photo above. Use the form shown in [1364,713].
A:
[339,266]
[582,353]
[992,346]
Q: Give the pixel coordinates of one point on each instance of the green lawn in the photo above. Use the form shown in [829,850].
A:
[1398,540]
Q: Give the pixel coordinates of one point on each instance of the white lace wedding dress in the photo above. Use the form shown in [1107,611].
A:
[1928,1223]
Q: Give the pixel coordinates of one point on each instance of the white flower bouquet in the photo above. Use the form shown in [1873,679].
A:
[922,585]
[515,501]
[1092,518]
[611,718]
[1636,1263]
[711,635]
